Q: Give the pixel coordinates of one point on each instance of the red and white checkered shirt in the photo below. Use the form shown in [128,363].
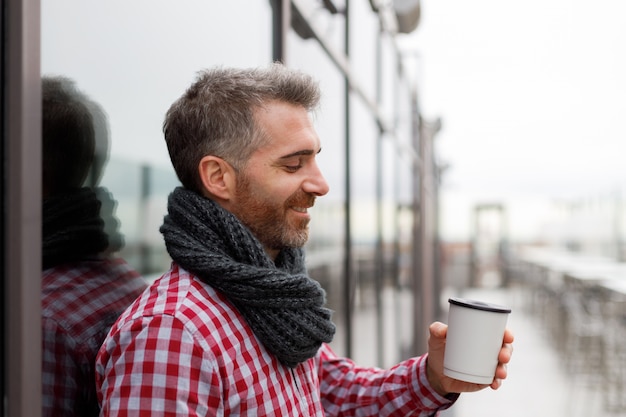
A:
[182,349]
[80,302]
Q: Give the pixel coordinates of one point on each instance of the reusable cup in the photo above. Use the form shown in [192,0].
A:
[475,332]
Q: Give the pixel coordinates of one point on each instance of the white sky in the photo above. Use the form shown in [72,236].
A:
[532,96]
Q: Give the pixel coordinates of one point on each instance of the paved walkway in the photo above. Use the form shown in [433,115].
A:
[537,385]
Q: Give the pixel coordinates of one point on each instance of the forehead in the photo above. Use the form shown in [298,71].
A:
[286,127]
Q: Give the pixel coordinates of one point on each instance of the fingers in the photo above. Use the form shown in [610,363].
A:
[508,336]
[507,347]
[497,383]
[505,353]
[501,371]
[503,358]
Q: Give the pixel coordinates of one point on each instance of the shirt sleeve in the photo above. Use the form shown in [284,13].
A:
[154,366]
[402,390]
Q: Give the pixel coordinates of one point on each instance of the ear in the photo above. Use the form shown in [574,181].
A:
[217,176]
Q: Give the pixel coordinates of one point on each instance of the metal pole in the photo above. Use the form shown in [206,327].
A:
[22,215]
[144,196]
[426,276]
[378,256]
[348,273]
[419,339]
[281,23]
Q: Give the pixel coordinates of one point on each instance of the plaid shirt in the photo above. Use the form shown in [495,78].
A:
[183,350]
[80,302]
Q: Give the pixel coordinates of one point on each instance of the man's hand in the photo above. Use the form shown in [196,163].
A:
[445,385]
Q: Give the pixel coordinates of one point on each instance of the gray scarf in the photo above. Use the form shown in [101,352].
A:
[282,305]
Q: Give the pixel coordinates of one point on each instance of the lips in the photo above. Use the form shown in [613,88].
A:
[301,203]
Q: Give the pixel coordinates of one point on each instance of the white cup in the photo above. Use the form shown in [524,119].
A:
[475,332]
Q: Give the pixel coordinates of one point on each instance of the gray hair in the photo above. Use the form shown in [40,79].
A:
[215,116]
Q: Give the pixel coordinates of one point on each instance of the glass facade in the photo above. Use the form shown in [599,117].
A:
[135,58]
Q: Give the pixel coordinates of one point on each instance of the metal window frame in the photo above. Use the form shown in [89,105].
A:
[22,209]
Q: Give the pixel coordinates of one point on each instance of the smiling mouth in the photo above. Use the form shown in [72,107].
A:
[302,203]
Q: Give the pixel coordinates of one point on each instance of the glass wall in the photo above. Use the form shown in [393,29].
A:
[133,59]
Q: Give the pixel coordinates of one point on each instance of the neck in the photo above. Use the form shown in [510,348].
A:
[272,253]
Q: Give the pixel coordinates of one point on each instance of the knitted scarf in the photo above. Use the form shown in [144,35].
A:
[282,305]
[72,229]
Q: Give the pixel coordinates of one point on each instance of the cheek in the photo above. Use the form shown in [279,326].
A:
[279,189]
[272,184]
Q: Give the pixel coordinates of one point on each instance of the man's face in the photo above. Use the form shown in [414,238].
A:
[281,180]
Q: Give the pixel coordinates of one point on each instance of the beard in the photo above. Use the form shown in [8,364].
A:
[268,219]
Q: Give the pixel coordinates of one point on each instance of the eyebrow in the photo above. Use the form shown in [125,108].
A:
[304,152]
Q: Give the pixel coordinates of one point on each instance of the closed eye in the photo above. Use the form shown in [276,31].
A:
[301,157]
[293,168]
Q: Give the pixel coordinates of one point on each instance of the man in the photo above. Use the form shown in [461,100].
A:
[84,288]
[236,327]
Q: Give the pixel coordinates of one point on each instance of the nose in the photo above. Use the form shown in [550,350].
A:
[315,182]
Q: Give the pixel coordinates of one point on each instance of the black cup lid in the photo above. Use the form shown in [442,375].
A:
[478,305]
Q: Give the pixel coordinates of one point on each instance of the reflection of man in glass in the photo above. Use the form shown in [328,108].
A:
[84,288]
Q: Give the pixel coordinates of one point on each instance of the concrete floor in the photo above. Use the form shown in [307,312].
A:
[538,384]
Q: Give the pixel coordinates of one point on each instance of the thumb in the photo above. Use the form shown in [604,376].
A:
[438,330]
